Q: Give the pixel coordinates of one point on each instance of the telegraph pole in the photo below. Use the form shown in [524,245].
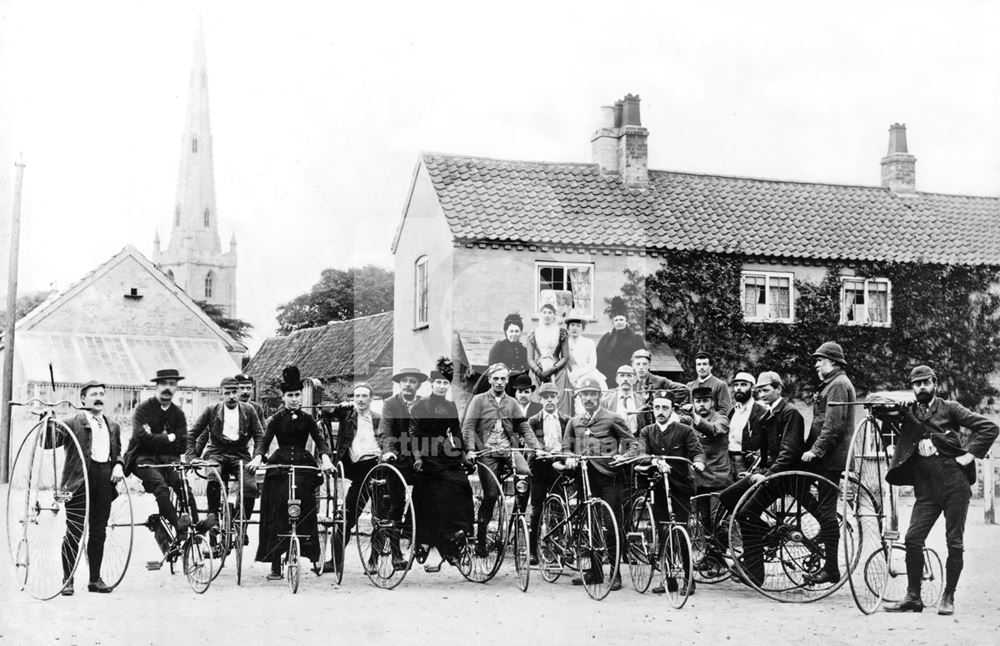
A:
[8,337]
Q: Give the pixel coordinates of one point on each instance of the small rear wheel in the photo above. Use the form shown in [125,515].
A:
[675,566]
[118,538]
[522,552]
[199,564]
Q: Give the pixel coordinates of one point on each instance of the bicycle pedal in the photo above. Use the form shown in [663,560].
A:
[154,565]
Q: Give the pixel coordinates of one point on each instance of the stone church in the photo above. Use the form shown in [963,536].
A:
[194,256]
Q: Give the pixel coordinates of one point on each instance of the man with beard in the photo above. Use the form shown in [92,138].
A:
[744,424]
[599,432]
[672,438]
[616,347]
[159,436]
[720,392]
[495,421]
[827,443]
[227,428]
[101,443]
[245,385]
[932,456]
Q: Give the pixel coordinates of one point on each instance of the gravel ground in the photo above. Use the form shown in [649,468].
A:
[157,608]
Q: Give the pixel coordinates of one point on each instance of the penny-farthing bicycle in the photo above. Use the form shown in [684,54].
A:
[386,526]
[881,575]
[43,505]
[332,522]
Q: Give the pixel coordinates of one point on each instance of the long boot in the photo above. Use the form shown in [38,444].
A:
[947,604]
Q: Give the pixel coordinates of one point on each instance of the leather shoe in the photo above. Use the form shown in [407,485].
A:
[616,584]
[400,565]
[99,586]
[821,578]
[910,603]
[947,605]
[659,589]
[67,590]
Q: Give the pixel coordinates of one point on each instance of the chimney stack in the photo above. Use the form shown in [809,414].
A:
[899,167]
[619,143]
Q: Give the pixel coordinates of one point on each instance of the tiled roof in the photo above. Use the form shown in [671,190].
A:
[121,360]
[381,382]
[573,204]
[339,350]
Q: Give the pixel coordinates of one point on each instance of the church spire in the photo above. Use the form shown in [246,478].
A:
[194,254]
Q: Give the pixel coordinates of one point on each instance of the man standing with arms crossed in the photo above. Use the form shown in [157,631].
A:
[931,455]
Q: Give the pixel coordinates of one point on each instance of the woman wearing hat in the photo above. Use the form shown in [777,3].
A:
[582,352]
[548,352]
[441,491]
[292,428]
[616,347]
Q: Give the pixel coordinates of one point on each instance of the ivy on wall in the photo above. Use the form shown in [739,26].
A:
[947,316]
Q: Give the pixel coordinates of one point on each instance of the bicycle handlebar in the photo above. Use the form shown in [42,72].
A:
[479,454]
[669,458]
[35,400]
[869,404]
[180,466]
[267,467]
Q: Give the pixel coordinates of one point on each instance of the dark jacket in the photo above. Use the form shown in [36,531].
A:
[347,429]
[752,432]
[79,425]
[614,350]
[437,435]
[783,439]
[292,429]
[720,393]
[150,427]
[714,436]
[605,433]
[677,440]
[536,424]
[395,428]
[832,426]
[483,412]
[208,430]
[941,425]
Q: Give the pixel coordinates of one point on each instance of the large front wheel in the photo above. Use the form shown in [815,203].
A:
[481,557]
[386,526]
[597,548]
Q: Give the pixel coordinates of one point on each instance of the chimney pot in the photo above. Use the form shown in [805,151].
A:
[899,167]
[607,116]
[618,114]
[630,114]
[897,138]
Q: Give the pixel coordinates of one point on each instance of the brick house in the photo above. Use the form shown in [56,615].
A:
[120,324]
[483,237]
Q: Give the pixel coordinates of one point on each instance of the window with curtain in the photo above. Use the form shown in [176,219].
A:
[420,300]
[768,296]
[209,284]
[865,301]
[571,283]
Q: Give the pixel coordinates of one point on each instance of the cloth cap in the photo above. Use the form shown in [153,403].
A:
[703,355]
[832,351]
[243,379]
[642,353]
[229,382]
[363,384]
[523,382]
[769,379]
[701,392]
[169,373]
[627,369]
[588,384]
[922,372]
[663,394]
[547,389]
[409,372]
[91,384]
[495,367]
[743,376]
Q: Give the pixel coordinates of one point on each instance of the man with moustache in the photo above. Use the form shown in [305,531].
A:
[827,442]
[524,387]
[668,437]
[932,456]
[101,444]
[599,433]
[744,424]
[159,436]
[245,385]
[624,401]
[720,392]
[646,383]
[494,421]
[548,425]
[227,428]
[396,444]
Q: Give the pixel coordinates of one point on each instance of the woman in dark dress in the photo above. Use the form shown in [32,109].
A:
[441,490]
[615,348]
[508,351]
[292,427]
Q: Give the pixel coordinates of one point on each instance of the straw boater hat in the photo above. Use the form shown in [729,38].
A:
[409,372]
[575,316]
[163,375]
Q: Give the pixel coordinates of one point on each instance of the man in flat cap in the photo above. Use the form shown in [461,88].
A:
[159,436]
[101,444]
[245,383]
[744,424]
[548,425]
[599,433]
[720,391]
[932,456]
[222,434]
[495,421]
[624,400]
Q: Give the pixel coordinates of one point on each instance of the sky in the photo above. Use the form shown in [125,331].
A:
[320,110]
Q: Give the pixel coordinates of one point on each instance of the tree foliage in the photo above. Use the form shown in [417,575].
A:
[339,295]
[25,303]
[237,328]
[945,316]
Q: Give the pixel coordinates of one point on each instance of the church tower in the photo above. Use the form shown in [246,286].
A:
[194,257]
